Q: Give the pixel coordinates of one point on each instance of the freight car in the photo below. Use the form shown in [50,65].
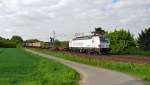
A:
[94,43]
[37,44]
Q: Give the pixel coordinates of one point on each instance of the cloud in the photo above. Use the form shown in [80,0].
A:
[8,30]
[38,18]
[60,4]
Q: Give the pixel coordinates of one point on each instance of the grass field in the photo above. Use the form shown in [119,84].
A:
[18,67]
[139,70]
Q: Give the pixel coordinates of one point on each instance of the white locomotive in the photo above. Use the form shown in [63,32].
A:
[94,43]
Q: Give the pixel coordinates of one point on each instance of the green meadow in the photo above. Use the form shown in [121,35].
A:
[18,67]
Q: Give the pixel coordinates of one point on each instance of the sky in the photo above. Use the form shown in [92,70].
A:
[40,18]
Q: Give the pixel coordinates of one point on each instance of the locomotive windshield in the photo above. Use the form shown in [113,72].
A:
[104,40]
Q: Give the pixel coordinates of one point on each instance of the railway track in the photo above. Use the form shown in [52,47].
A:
[119,58]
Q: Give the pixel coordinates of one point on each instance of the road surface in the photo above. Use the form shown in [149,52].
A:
[96,76]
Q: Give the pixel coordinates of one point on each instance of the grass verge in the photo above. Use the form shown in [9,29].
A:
[136,51]
[18,67]
[139,70]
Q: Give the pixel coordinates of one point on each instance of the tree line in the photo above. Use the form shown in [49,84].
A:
[15,41]
[123,41]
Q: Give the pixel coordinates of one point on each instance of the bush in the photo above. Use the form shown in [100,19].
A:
[121,40]
[7,44]
[137,51]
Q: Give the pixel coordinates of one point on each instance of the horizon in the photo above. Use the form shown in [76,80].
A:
[73,35]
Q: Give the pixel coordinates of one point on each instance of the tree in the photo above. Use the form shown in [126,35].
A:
[100,31]
[64,44]
[57,43]
[17,39]
[121,40]
[1,38]
[144,39]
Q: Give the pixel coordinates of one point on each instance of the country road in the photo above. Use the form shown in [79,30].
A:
[96,76]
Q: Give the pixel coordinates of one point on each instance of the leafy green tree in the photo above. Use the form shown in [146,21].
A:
[121,40]
[65,44]
[100,31]
[144,39]
[17,39]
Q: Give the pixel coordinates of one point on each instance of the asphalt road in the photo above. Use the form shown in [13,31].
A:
[96,76]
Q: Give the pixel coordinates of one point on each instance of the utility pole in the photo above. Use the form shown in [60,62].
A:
[52,39]
[54,35]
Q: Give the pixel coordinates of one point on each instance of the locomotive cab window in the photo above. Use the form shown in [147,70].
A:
[103,39]
[83,38]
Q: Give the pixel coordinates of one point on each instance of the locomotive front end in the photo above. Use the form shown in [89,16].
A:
[104,45]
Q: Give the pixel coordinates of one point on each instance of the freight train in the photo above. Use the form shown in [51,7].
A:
[85,44]
[94,43]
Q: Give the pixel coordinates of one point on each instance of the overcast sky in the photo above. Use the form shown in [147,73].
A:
[38,18]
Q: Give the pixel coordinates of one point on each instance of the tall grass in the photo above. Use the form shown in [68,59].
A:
[136,51]
[139,70]
[18,67]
